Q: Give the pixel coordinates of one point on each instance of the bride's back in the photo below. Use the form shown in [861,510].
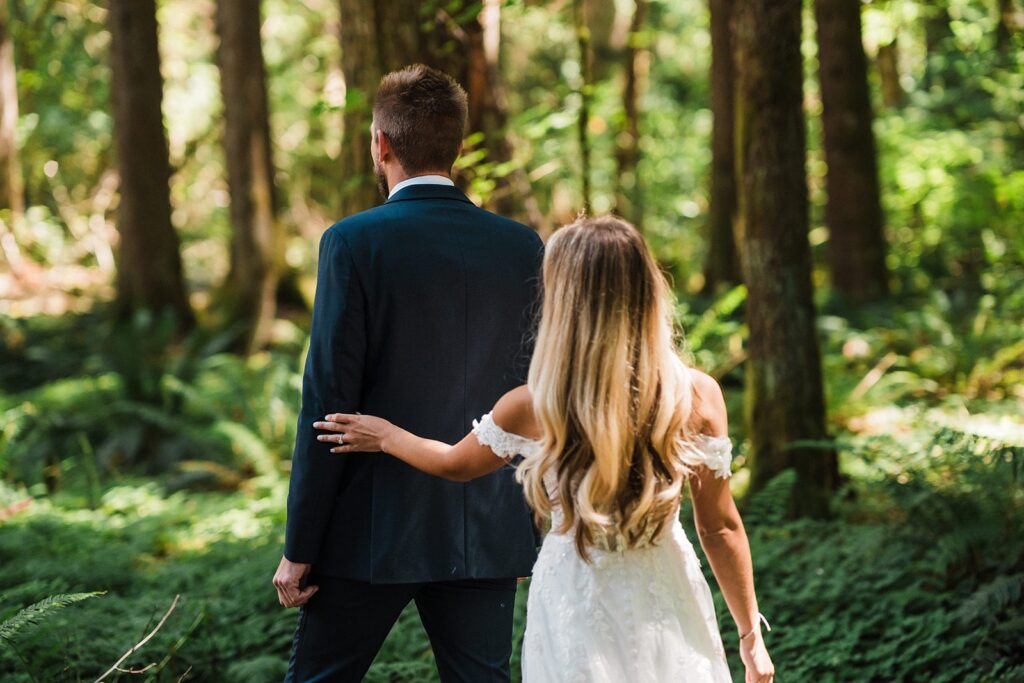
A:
[611,399]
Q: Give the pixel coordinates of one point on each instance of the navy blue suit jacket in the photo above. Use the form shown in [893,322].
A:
[423,315]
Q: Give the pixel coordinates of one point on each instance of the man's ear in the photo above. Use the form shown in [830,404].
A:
[383,146]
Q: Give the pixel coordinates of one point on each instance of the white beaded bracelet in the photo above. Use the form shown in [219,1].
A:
[757,626]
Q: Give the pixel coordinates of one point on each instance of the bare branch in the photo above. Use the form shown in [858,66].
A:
[138,646]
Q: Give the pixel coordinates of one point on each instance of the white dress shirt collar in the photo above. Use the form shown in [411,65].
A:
[421,180]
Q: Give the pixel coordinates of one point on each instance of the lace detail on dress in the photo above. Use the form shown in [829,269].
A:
[504,444]
[713,452]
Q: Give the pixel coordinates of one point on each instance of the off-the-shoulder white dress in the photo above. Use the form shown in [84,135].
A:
[642,615]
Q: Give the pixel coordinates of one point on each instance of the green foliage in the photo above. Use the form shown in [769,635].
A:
[149,403]
[33,614]
[920,574]
[916,578]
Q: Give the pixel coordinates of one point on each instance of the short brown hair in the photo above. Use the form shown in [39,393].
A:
[422,111]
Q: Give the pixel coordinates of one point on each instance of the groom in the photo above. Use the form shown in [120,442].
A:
[422,316]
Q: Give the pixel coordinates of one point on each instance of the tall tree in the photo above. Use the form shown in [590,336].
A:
[586,92]
[721,267]
[362,67]
[938,32]
[1007,23]
[608,25]
[256,239]
[11,188]
[853,213]
[470,51]
[627,143]
[149,272]
[888,62]
[785,397]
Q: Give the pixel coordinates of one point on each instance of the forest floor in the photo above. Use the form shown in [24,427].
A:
[917,576]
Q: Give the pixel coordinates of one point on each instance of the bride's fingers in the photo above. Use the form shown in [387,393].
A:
[329,426]
[333,438]
[342,418]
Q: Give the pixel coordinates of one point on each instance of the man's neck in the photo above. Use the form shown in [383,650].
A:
[440,178]
[400,176]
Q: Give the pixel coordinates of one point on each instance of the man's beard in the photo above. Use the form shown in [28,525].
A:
[382,181]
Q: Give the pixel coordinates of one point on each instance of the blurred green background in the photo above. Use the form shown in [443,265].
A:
[146,457]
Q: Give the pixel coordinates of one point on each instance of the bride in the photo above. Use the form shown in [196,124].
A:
[607,431]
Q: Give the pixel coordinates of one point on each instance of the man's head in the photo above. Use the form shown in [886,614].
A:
[420,113]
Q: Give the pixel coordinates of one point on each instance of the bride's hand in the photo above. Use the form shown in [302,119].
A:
[355,433]
[756,660]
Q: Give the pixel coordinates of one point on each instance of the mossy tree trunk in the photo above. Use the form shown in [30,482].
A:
[856,248]
[785,397]
[628,203]
[12,191]
[149,274]
[721,266]
[256,239]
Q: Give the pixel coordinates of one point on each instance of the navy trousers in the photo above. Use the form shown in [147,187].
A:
[342,627]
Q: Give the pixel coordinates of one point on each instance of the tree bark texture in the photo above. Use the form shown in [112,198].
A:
[888,62]
[721,266]
[256,239]
[11,183]
[627,144]
[586,86]
[856,248]
[149,272]
[785,397]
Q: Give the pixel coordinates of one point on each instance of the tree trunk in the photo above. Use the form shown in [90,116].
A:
[149,266]
[1007,24]
[608,28]
[11,184]
[627,142]
[475,63]
[12,191]
[586,87]
[888,62]
[785,398]
[362,68]
[937,31]
[856,249]
[721,267]
[256,240]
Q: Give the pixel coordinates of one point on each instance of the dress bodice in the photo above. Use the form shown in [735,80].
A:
[713,452]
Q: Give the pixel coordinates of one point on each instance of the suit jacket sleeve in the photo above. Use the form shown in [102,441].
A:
[332,382]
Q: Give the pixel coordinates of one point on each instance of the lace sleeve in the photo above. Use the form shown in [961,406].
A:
[504,444]
[713,452]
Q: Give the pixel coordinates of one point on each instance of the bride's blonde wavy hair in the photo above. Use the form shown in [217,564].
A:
[610,393]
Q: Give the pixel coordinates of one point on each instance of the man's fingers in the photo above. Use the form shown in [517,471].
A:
[305,595]
[291,592]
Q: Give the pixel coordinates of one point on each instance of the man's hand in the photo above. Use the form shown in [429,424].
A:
[288,582]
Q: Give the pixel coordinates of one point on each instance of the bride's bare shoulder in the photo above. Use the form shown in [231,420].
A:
[709,414]
[514,413]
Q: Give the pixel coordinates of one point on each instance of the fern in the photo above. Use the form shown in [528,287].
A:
[33,614]
[992,599]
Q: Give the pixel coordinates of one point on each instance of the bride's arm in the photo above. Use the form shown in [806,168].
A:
[466,460]
[724,539]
